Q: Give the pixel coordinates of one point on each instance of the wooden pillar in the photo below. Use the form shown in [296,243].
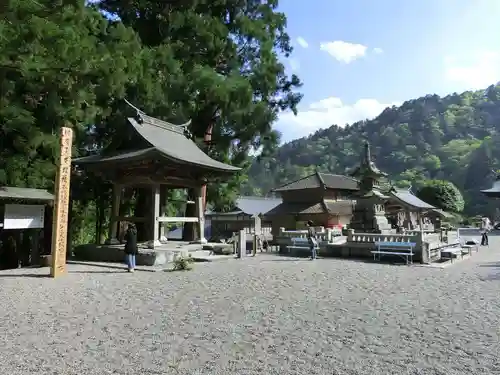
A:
[115,211]
[35,248]
[420,221]
[163,212]
[155,214]
[60,222]
[200,213]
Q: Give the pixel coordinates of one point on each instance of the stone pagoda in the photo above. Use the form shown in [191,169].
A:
[368,214]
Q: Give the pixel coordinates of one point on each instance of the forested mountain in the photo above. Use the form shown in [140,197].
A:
[455,138]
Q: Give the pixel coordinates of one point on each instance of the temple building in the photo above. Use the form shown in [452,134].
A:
[365,201]
[407,211]
[159,156]
[321,197]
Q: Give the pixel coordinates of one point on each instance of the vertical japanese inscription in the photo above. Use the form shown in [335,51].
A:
[61,204]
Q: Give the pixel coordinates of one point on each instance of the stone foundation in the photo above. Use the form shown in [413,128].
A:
[116,254]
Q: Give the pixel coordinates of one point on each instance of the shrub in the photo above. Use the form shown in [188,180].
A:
[183,263]
[443,195]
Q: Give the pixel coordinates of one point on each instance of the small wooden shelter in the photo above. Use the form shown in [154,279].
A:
[161,155]
[22,245]
[242,216]
[408,211]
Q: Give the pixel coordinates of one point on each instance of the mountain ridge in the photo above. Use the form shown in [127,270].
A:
[454,137]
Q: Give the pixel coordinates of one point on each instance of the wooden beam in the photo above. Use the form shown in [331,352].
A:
[167,180]
[166,219]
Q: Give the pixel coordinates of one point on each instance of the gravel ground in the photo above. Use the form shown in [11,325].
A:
[266,315]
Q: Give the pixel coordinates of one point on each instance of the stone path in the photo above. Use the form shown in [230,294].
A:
[263,315]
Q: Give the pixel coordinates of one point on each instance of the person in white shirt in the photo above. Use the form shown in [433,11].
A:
[485,228]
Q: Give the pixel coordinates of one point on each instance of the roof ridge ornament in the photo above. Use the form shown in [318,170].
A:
[141,117]
[134,107]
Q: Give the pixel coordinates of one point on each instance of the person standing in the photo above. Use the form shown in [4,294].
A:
[485,228]
[312,239]
[131,249]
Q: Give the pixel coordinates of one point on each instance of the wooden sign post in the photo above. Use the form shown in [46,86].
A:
[61,205]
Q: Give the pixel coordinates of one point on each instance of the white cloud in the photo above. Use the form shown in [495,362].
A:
[476,71]
[302,42]
[327,112]
[344,51]
[378,51]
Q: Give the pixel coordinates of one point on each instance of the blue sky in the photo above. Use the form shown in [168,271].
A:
[355,57]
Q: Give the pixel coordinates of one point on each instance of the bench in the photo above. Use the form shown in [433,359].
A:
[469,244]
[452,251]
[400,249]
[462,248]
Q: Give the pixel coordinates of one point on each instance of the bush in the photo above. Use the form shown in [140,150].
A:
[442,194]
[183,263]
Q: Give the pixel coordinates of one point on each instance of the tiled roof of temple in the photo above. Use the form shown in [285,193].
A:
[318,179]
[165,140]
[407,197]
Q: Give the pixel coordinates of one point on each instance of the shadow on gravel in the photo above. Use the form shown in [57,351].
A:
[494,276]
[286,260]
[106,272]
[491,265]
[29,275]
[384,262]
[42,276]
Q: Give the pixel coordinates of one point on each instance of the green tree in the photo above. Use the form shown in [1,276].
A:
[442,194]
[230,80]
[61,64]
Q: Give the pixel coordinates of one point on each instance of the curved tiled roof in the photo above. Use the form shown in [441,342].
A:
[166,140]
[325,206]
[251,206]
[318,179]
[172,142]
[407,197]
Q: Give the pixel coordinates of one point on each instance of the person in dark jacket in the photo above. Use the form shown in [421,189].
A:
[131,249]
[311,237]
